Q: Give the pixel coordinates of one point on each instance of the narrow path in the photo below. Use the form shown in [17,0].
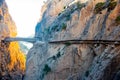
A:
[86,42]
[33,40]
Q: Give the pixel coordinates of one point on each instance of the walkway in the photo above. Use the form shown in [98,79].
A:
[33,40]
[86,42]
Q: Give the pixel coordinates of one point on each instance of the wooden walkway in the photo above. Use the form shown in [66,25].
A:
[117,42]
[33,40]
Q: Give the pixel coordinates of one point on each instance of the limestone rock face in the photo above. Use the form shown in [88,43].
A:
[4,31]
[12,60]
[76,19]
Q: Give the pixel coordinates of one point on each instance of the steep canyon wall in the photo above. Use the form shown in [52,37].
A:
[76,19]
[12,59]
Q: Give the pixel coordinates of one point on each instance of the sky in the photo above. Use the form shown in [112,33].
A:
[25,14]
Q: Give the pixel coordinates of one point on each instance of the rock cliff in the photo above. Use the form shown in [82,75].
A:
[12,60]
[76,19]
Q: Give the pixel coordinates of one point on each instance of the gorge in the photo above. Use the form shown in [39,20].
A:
[81,20]
[62,21]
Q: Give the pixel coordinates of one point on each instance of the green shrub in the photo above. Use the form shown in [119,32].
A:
[67,43]
[54,27]
[64,7]
[99,7]
[117,20]
[64,26]
[72,10]
[80,5]
[46,69]
[46,30]
[59,14]
[87,73]
[58,55]
[54,57]
[68,17]
[112,5]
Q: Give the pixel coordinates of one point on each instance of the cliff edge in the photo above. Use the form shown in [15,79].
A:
[76,19]
[12,59]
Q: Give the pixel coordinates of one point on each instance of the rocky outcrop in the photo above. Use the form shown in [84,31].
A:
[75,19]
[12,60]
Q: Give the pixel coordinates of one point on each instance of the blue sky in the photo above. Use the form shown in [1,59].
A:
[25,14]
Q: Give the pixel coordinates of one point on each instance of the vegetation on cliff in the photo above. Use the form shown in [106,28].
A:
[62,20]
[102,5]
[12,59]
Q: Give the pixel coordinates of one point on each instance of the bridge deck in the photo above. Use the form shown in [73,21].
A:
[33,40]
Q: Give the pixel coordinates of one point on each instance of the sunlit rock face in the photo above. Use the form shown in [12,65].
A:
[69,19]
[12,60]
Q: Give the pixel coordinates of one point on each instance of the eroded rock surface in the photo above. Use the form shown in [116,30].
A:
[12,60]
[74,19]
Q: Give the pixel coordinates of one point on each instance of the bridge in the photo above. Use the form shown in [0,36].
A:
[30,40]
[76,41]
